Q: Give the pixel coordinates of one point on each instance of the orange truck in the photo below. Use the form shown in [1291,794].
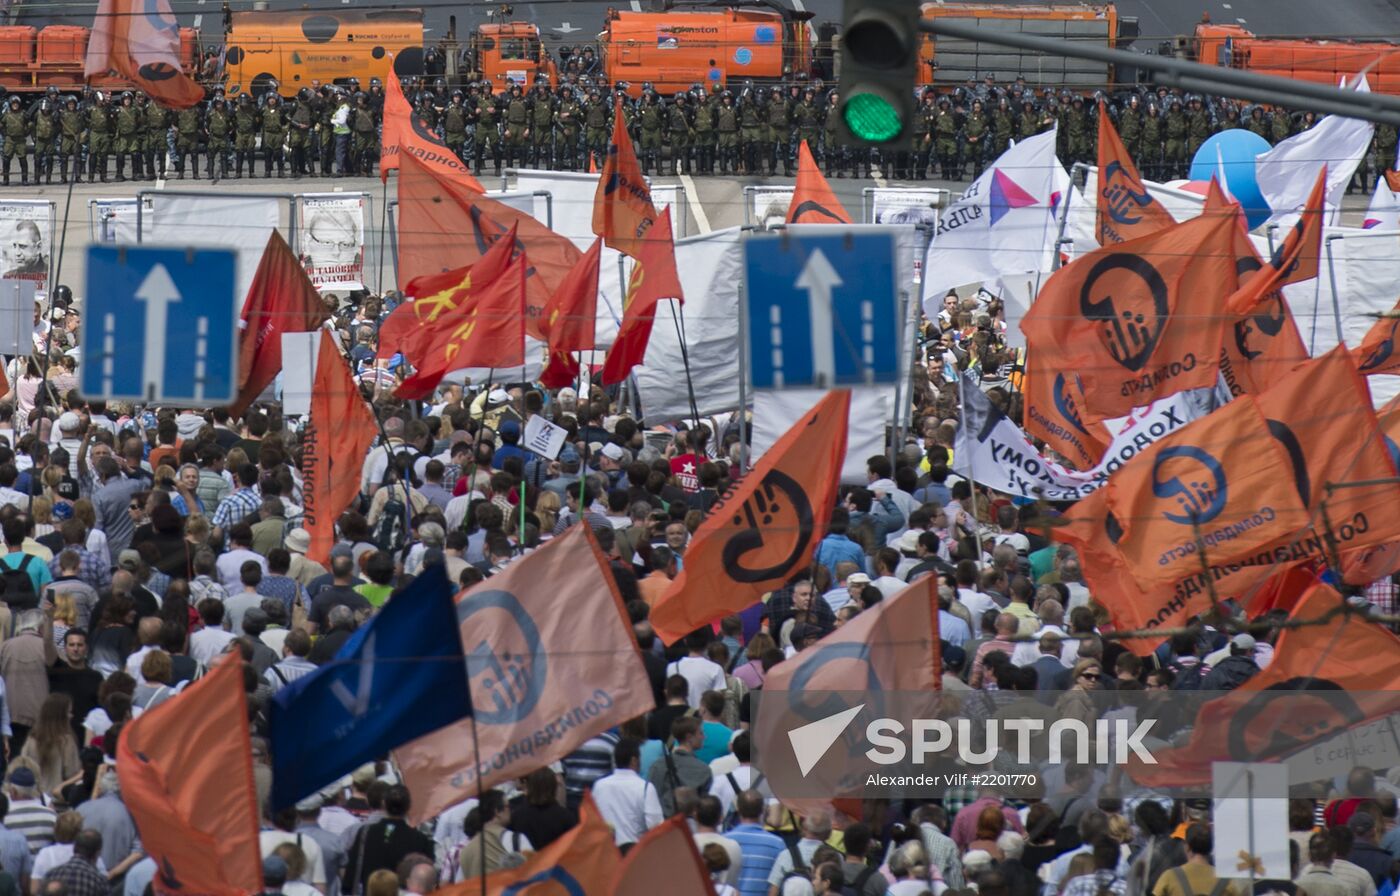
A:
[35,59]
[671,50]
[946,62]
[1319,61]
[294,48]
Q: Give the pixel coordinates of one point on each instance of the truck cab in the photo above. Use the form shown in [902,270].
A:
[508,53]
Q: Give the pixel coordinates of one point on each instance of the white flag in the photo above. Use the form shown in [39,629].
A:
[1287,172]
[1384,213]
[1004,223]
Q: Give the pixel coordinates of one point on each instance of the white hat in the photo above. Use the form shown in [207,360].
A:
[69,421]
[612,452]
[498,396]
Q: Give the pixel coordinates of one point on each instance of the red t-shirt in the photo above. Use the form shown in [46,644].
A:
[685,468]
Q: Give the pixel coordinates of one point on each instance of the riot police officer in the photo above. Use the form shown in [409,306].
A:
[569,118]
[301,123]
[189,126]
[488,135]
[365,131]
[516,127]
[679,133]
[219,126]
[274,134]
[70,141]
[541,127]
[651,120]
[727,123]
[45,130]
[454,124]
[245,129]
[15,126]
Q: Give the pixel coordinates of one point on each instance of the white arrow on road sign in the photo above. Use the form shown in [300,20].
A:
[157,291]
[566,28]
[819,278]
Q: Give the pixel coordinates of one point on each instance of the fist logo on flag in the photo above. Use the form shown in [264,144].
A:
[1066,405]
[511,669]
[1269,322]
[1198,486]
[1133,310]
[1124,195]
[777,513]
[1285,717]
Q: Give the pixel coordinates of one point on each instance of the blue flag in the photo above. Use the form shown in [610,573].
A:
[398,678]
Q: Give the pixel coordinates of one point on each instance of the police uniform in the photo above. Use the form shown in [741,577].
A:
[157,138]
[678,133]
[128,138]
[568,117]
[365,131]
[487,132]
[595,129]
[454,125]
[516,127]
[15,126]
[219,125]
[274,134]
[45,133]
[301,123]
[727,131]
[245,135]
[541,129]
[72,128]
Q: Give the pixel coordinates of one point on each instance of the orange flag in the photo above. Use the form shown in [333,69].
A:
[473,320]
[186,770]
[140,40]
[1294,261]
[665,853]
[537,696]
[444,225]
[1219,484]
[1259,347]
[892,647]
[653,278]
[569,323]
[583,861]
[404,133]
[339,434]
[1126,210]
[1323,680]
[623,213]
[1053,400]
[1140,320]
[1377,352]
[765,529]
[812,200]
[280,300]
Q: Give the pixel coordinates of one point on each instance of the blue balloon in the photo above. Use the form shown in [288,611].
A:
[1234,150]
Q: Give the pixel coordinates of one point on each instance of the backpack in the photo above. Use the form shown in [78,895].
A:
[731,818]
[1185,884]
[388,532]
[16,587]
[1189,678]
[857,886]
[799,867]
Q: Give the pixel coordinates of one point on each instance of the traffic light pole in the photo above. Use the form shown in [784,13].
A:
[1194,76]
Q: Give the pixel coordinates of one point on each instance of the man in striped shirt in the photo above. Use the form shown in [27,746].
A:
[294,663]
[28,816]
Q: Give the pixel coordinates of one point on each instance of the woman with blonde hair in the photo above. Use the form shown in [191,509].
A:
[65,616]
[65,830]
[42,512]
[547,507]
[51,744]
[85,513]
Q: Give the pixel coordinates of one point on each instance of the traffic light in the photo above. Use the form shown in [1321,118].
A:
[879,61]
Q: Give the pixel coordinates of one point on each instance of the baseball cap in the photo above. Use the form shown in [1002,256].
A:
[509,426]
[310,804]
[568,455]
[1242,641]
[1361,823]
[498,396]
[69,421]
[857,578]
[274,872]
[24,777]
[612,452]
[129,560]
[68,488]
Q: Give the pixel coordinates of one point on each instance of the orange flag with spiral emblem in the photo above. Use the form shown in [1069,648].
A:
[765,529]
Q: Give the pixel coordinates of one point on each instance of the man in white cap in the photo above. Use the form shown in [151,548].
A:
[372,473]
[612,460]
[1235,669]
[69,424]
[303,568]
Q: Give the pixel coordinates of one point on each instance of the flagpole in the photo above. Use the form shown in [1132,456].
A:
[48,315]
[677,318]
[383,228]
[480,794]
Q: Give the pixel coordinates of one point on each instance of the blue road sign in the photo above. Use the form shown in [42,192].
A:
[822,308]
[160,325]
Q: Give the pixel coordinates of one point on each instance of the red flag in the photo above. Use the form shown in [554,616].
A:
[1295,260]
[1324,678]
[339,434]
[582,862]
[140,40]
[404,133]
[1126,210]
[186,771]
[765,529]
[653,278]
[473,317]
[569,323]
[665,853]
[1140,320]
[530,683]
[444,225]
[812,200]
[280,300]
[623,213]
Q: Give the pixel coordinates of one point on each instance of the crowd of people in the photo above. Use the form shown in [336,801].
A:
[143,544]
[332,130]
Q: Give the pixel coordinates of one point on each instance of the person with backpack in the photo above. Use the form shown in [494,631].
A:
[388,517]
[799,857]
[1160,850]
[1196,876]
[861,878]
[679,766]
[23,577]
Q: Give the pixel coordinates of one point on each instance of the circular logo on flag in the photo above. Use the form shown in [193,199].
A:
[1193,480]
[505,664]
[1128,300]
[1284,718]
[777,529]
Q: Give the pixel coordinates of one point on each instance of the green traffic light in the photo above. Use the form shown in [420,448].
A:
[871,117]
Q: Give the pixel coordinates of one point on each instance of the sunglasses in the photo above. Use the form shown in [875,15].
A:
[1092,676]
[133,507]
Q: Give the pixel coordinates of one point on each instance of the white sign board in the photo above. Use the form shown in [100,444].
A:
[544,438]
[299,353]
[1375,745]
[1251,820]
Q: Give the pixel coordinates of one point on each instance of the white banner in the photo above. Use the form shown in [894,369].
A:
[1287,172]
[331,240]
[775,412]
[711,269]
[768,205]
[899,205]
[114,220]
[299,354]
[26,240]
[241,223]
[995,452]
